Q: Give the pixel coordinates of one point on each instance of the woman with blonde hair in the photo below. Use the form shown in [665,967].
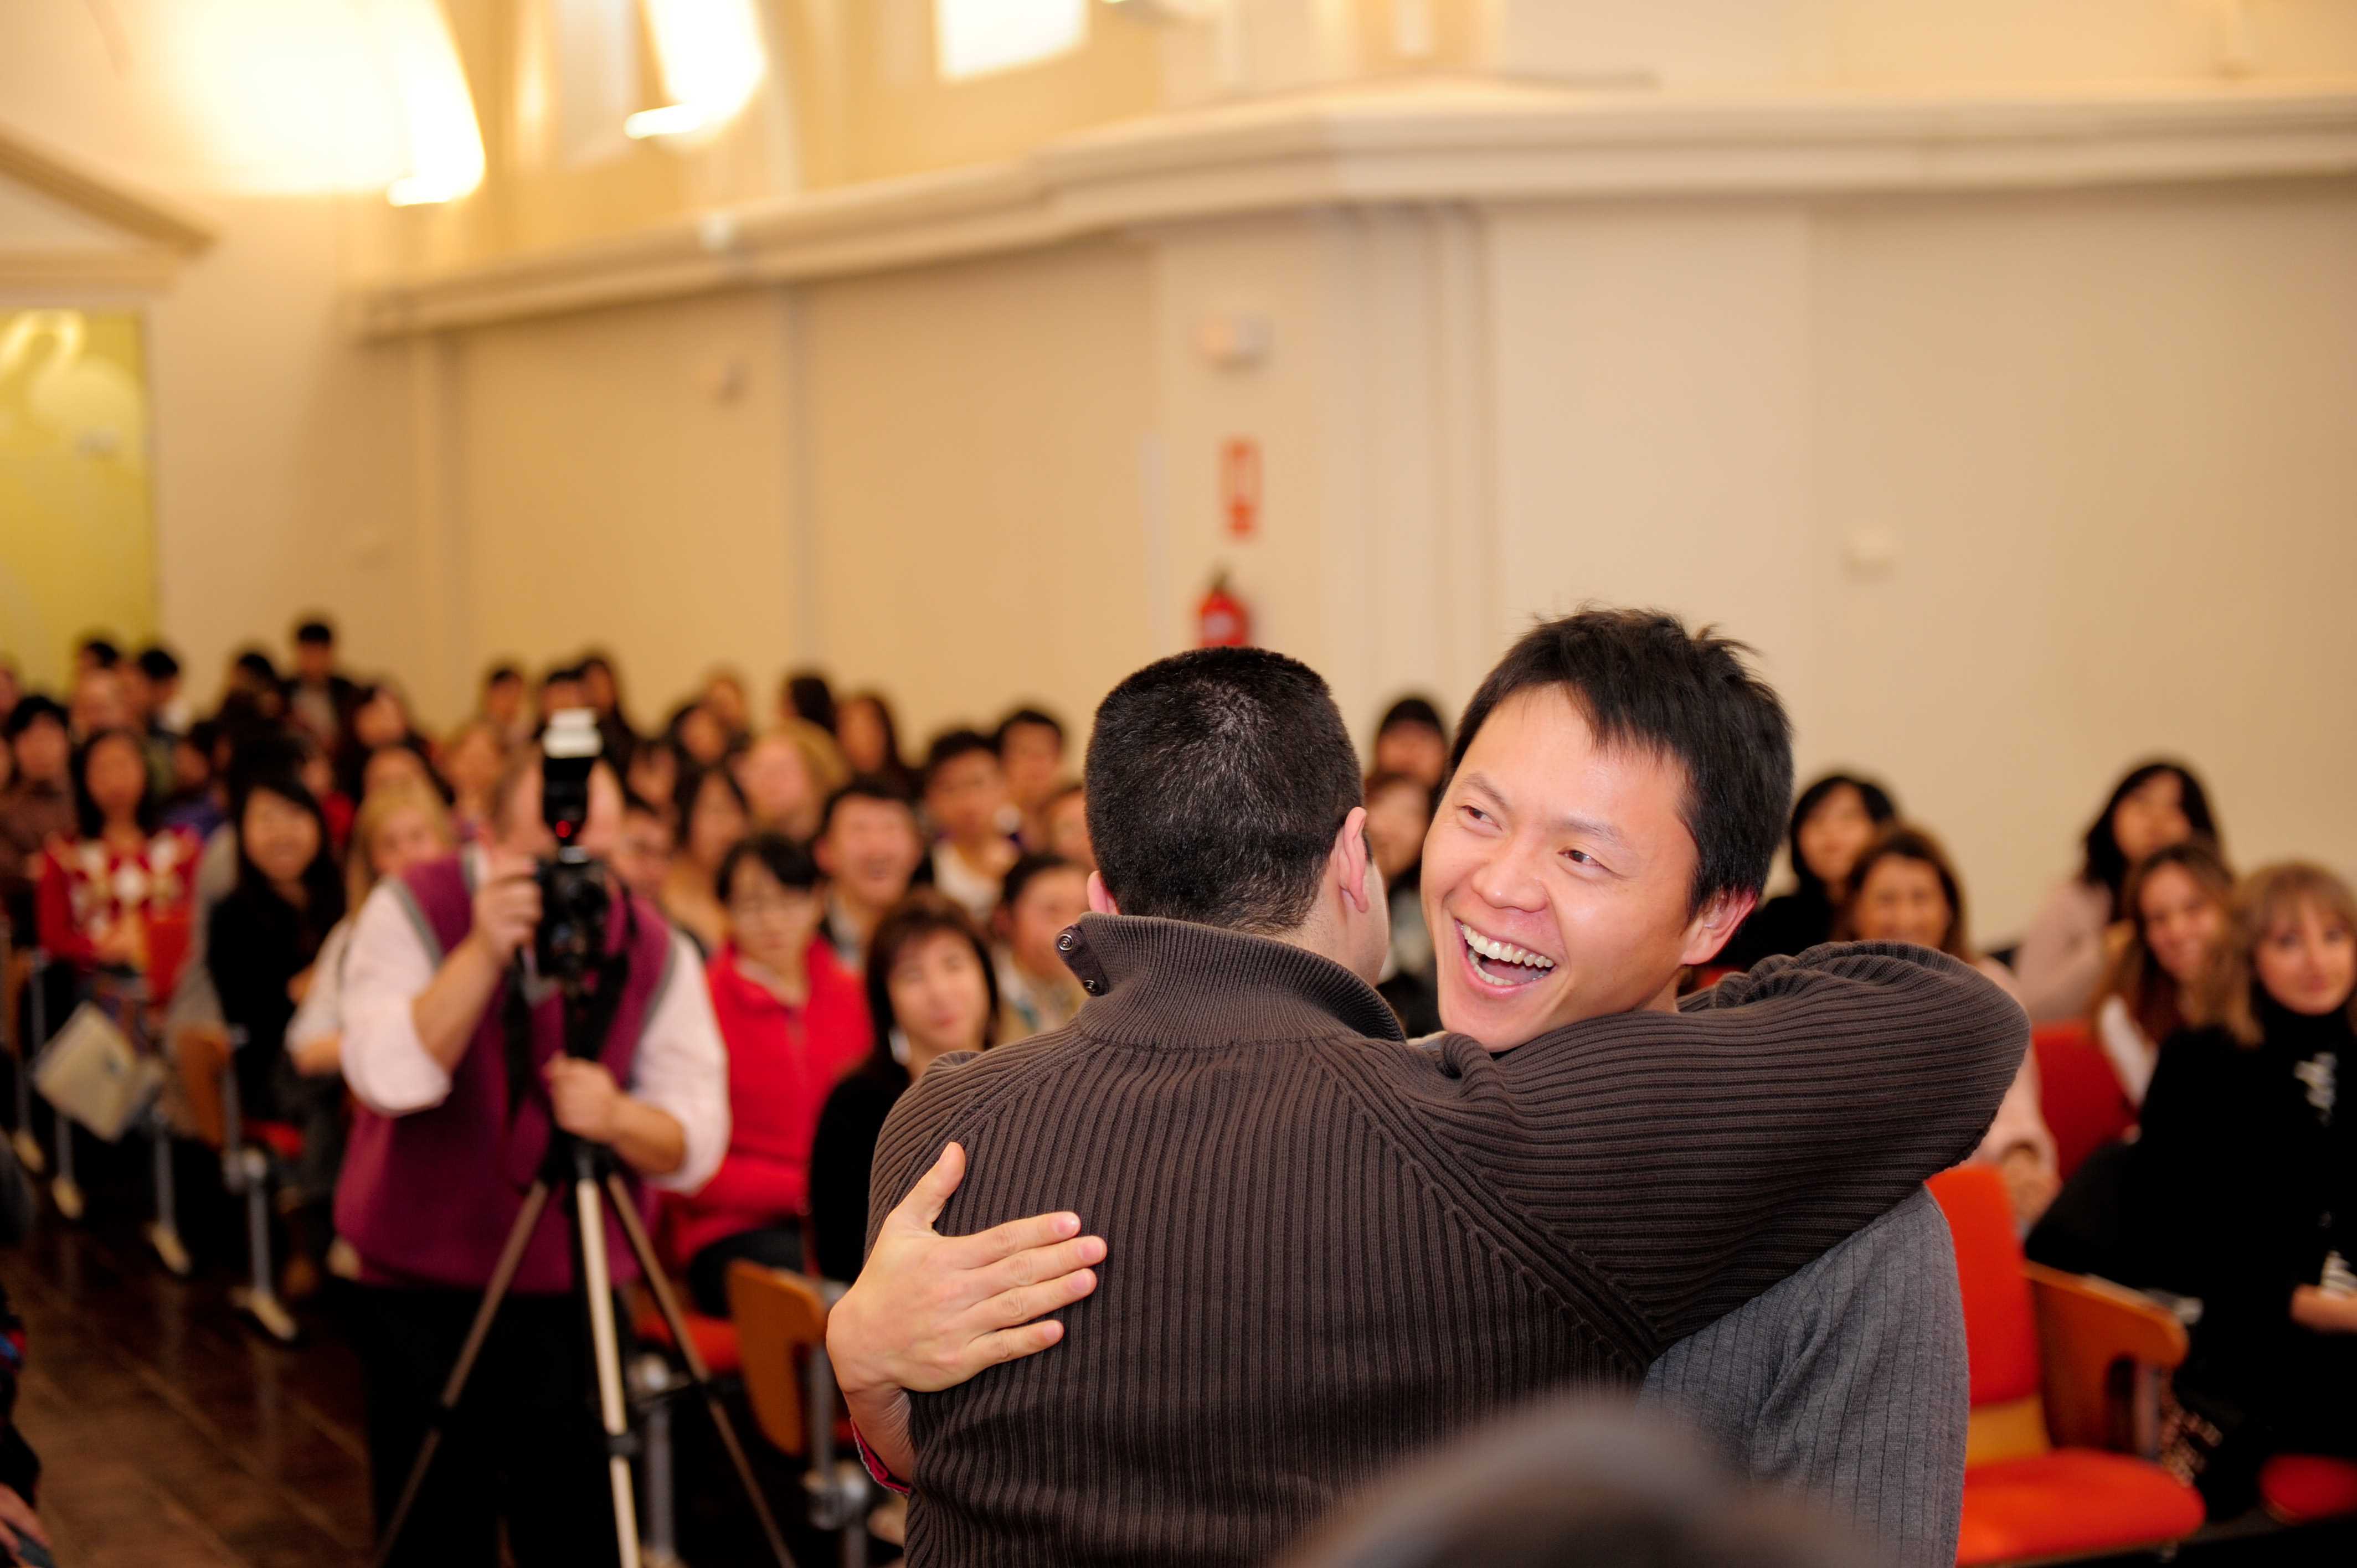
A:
[2243,1190]
[1904,888]
[2178,903]
[398,827]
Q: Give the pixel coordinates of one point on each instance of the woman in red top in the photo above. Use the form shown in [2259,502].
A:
[794,1021]
[108,890]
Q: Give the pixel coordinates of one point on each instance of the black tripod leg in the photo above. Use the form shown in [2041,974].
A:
[618,1196]
[510,1260]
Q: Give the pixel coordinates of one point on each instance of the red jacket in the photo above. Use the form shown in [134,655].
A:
[782,1062]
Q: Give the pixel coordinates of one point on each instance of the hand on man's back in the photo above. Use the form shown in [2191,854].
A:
[930,1310]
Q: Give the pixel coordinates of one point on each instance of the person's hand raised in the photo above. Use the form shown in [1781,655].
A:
[507,905]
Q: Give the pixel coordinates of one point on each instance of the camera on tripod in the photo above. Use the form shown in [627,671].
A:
[573,898]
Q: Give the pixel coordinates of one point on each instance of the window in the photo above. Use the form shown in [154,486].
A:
[975,37]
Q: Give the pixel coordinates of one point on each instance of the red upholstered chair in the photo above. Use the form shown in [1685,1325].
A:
[2040,1481]
[715,1337]
[2078,1093]
[2300,1488]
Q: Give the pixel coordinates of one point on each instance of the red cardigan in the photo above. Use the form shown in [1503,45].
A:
[782,1062]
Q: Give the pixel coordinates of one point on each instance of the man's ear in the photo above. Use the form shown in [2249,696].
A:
[1100,897]
[1351,863]
[1715,923]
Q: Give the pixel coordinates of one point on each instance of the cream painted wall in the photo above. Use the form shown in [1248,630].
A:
[975,464]
[619,479]
[282,471]
[2108,444]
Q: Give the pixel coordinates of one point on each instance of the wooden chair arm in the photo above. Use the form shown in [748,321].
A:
[2087,1328]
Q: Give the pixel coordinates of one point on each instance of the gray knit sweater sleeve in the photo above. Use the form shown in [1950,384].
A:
[1847,1383]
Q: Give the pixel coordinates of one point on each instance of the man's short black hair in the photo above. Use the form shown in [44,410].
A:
[1412,710]
[570,673]
[31,709]
[1027,870]
[155,663]
[1217,779]
[866,787]
[314,633]
[784,859]
[1643,681]
[950,744]
[1021,717]
[101,651]
[500,674]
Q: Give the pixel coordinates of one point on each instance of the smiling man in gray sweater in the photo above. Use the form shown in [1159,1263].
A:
[1325,1249]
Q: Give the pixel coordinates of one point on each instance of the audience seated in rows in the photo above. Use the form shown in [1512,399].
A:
[965,797]
[1030,747]
[103,890]
[2062,955]
[870,738]
[2178,902]
[1043,897]
[795,858]
[794,1022]
[1833,823]
[932,991]
[2243,1187]
[1906,890]
[870,848]
[712,816]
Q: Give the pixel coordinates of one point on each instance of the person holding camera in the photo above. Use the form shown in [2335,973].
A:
[455,1047]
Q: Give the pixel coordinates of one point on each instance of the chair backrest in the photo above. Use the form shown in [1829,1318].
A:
[2078,1092]
[2008,1416]
[202,1054]
[780,1320]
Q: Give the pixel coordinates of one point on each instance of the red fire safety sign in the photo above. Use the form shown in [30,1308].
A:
[1239,486]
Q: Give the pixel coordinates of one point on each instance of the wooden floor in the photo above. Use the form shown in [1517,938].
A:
[172,1434]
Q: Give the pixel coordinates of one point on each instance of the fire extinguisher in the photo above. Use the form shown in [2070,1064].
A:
[1221,621]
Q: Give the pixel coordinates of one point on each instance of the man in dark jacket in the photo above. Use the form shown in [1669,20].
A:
[1327,1254]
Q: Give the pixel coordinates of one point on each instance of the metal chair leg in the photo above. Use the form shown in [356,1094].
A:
[163,1234]
[258,1299]
[64,1191]
[28,1147]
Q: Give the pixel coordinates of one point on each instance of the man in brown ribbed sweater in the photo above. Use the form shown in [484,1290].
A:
[1326,1254]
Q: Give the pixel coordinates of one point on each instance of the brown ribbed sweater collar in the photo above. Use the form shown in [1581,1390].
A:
[1177,984]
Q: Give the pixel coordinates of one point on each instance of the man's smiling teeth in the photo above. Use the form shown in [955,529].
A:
[1503,952]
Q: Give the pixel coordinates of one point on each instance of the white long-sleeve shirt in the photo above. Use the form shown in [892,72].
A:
[681,1067]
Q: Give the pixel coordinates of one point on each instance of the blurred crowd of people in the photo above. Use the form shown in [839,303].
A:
[862,911]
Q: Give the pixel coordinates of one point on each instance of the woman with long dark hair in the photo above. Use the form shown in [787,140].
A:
[1832,821]
[932,990]
[103,891]
[870,738]
[2243,1186]
[2062,957]
[712,816]
[2179,903]
[265,937]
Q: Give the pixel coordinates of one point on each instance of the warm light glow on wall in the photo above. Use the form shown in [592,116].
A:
[712,60]
[437,112]
[974,37]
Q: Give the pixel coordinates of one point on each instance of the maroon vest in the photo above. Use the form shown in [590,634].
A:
[428,1199]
